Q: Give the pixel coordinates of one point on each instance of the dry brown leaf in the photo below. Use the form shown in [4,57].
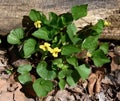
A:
[115,65]
[6,96]
[98,84]
[20,62]
[100,75]
[19,96]
[117,50]
[92,80]
[10,90]
[63,95]
[111,54]
[3,85]
[107,80]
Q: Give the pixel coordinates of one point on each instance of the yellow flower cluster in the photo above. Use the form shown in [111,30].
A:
[46,47]
[37,24]
[106,23]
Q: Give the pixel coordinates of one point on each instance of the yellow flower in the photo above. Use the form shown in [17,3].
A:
[37,24]
[106,23]
[89,54]
[55,51]
[45,47]
[50,49]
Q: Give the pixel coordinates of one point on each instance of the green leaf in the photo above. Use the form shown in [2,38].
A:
[66,18]
[73,78]
[24,78]
[43,17]
[104,47]
[70,81]
[15,36]
[62,84]
[72,30]
[98,27]
[29,47]
[24,69]
[79,11]
[73,61]
[42,87]
[69,49]
[41,33]
[83,71]
[64,73]
[60,23]
[90,43]
[44,73]
[58,62]
[99,58]
[34,15]
[53,18]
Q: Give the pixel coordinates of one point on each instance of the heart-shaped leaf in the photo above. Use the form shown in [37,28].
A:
[15,36]
[44,73]
[42,87]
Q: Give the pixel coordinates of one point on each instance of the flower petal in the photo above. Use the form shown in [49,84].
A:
[42,47]
[37,24]
[55,54]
